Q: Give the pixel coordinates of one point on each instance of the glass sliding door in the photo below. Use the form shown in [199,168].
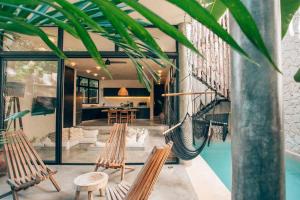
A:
[34,84]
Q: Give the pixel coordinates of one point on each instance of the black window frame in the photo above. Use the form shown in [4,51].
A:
[116,53]
[88,87]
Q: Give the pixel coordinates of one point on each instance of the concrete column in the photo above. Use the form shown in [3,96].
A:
[185,104]
[185,85]
[257,142]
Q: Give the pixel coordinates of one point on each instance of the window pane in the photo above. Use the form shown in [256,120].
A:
[166,43]
[84,82]
[30,43]
[74,44]
[34,84]
[93,95]
[94,83]
[84,94]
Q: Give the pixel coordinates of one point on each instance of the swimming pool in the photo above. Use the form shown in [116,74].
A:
[218,157]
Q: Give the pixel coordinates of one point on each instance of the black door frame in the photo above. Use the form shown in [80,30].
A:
[50,56]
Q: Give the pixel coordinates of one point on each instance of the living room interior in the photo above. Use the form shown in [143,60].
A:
[80,107]
[96,101]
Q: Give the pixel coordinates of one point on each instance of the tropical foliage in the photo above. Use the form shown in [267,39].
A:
[111,19]
[10,119]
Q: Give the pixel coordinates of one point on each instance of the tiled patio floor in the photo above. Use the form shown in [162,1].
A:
[173,183]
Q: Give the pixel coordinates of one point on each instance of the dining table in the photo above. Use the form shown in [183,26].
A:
[119,110]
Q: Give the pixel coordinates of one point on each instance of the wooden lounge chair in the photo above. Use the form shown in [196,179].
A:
[25,167]
[113,154]
[143,184]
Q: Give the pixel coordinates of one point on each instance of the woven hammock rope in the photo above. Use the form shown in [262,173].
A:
[189,146]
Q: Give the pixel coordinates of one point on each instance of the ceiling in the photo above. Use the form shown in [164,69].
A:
[118,71]
[164,9]
[169,12]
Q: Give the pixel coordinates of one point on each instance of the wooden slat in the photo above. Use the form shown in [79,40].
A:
[16,175]
[34,164]
[33,170]
[8,159]
[21,161]
[113,154]
[144,183]
[25,167]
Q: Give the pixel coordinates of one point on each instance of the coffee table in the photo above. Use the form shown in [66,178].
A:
[90,182]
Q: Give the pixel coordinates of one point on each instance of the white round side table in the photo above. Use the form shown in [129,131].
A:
[90,182]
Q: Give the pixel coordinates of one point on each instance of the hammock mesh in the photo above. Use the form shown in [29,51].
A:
[181,141]
[194,132]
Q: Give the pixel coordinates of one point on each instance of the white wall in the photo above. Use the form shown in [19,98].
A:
[291,91]
[37,127]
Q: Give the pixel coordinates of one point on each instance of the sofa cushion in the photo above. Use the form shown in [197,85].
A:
[76,133]
[141,135]
[65,134]
[90,133]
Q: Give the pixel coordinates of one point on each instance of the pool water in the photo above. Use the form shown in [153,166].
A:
[218,156]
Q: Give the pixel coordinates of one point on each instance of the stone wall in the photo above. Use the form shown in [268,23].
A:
[291,90]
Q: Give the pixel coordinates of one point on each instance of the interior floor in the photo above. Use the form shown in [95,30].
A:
[172,178]
[137,122]
[89,152]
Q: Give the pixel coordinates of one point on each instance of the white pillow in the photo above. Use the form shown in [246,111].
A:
[141,135]
[90,133]
[76,133]
[131,132]
[65,133]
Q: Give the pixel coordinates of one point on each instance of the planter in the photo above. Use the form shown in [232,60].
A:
[2,164]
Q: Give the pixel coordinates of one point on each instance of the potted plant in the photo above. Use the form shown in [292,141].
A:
[10,119]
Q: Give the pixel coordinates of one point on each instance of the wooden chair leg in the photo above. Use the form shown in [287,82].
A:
[122,172]
[102,191]
[90,195]
[55,184]
[77,195]
[15,195]
[96,168]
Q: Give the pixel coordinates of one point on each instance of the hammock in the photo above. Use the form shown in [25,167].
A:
[175,135]
[202,133]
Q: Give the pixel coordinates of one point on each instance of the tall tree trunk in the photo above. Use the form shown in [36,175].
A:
[257,142]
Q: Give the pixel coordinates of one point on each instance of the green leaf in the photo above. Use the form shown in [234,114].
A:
[288,9]
[216,8]
[199,13]
[17,115]
[117,24]
[248,26]
[297,76]
[37,13]
[23,28]
[160,23]
[138,30]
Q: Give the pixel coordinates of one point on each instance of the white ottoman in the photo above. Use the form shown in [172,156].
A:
[89,182]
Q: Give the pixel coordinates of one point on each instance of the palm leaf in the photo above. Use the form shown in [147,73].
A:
[248,26]
[215,7]
[137,29]
[199,13]
[297,76]
[288,9]
[21,27]
[161,24]
[17,115]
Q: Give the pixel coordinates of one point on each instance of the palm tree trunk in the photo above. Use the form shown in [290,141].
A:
[257,142]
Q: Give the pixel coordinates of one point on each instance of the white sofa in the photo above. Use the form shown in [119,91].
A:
[135,138]
[72,137]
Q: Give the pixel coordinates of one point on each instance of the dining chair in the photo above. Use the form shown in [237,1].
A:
[132,116]
[124,116]
[112,116]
